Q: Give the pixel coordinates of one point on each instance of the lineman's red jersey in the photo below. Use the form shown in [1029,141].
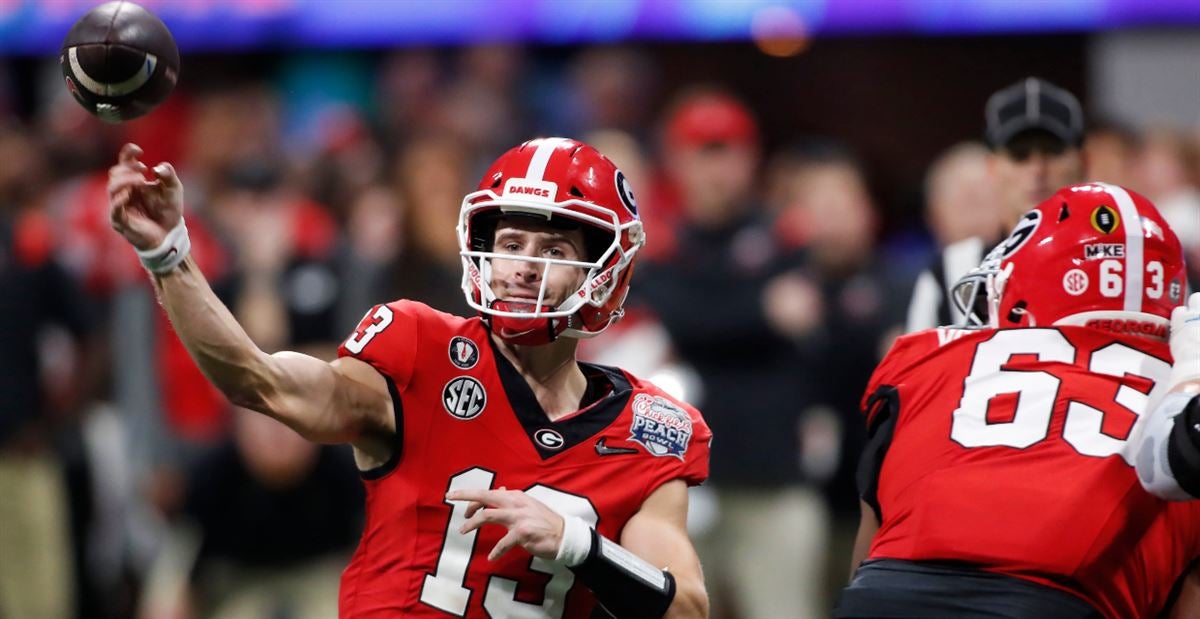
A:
[466,419]
[1008,453]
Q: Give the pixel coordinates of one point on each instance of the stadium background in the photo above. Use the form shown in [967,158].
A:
[325,147]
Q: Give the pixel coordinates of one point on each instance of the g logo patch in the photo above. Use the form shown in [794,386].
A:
[550,439]
[626,192]
[464,398]
[464,354]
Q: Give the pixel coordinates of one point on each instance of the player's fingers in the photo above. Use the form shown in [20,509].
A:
[474,507]
[484,516]
[1194,302]
[505,544]
[129,154]
[488,497]
[165,172]
[118,218]
[120,190]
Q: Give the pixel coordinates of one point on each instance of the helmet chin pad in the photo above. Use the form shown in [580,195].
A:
[537,330]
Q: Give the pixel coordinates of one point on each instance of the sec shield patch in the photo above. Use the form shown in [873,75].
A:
[660,426]
[464,398]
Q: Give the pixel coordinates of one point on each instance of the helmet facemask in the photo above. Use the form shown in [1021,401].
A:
[536,321]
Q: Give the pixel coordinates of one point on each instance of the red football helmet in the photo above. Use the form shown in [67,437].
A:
[563,183]
[1094,254]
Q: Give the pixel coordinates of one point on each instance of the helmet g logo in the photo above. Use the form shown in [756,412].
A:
[1021,232]
[626,192]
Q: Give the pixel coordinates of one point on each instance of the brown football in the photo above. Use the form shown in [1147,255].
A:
[119,61]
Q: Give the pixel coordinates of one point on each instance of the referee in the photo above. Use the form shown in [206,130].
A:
[1035,130]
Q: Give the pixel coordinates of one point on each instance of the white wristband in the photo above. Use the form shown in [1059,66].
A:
[576,542]
[174,248]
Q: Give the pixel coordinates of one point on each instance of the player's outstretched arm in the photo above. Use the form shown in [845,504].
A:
[344,401]
[1167,449]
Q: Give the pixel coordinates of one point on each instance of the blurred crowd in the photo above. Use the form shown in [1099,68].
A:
[767,292]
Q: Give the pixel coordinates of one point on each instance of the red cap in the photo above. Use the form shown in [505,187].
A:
[711,118]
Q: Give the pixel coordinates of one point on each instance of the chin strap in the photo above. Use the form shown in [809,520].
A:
[525,331]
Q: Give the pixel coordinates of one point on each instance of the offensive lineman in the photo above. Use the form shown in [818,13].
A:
[458,425]
[999,477]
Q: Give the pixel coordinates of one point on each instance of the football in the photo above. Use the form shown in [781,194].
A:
[119,61]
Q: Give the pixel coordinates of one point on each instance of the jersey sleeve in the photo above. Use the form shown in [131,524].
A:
[893,363]
[386,338]
[695,461]
[881,407]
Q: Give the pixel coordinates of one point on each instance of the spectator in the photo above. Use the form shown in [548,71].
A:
[1035,130]
[960,196]
[1167,168]
[37,577]
[432,174]
[831,210]
[1110,152]
[276,518]
[764,555]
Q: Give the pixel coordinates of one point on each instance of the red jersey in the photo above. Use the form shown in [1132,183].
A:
[1008,452]
[466,419]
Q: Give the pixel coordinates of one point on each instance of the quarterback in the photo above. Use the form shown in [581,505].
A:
[1000,477]
[504,477]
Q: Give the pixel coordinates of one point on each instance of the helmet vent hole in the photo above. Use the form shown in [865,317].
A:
[575,192]
[1064,212]
[496,180]
[1018,310]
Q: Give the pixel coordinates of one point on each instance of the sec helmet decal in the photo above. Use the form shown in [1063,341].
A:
[1075,282]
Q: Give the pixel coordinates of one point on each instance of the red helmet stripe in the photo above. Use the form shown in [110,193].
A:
[1134,258]
[541,157]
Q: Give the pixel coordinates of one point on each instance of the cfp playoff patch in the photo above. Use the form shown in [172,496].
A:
[464,354]
[464,398]
[1105,219]
[660,426]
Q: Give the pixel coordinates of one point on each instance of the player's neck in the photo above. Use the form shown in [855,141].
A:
[551,372]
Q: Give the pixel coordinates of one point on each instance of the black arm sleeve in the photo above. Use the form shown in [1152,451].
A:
[1183,449]
[626,586]
[883,409]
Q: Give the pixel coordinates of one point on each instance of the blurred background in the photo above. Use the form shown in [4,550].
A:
[797,165]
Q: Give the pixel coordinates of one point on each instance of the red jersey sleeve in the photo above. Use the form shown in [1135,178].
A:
[692,464]
[906,351]
[695,470]
[386,338]
[695,460]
